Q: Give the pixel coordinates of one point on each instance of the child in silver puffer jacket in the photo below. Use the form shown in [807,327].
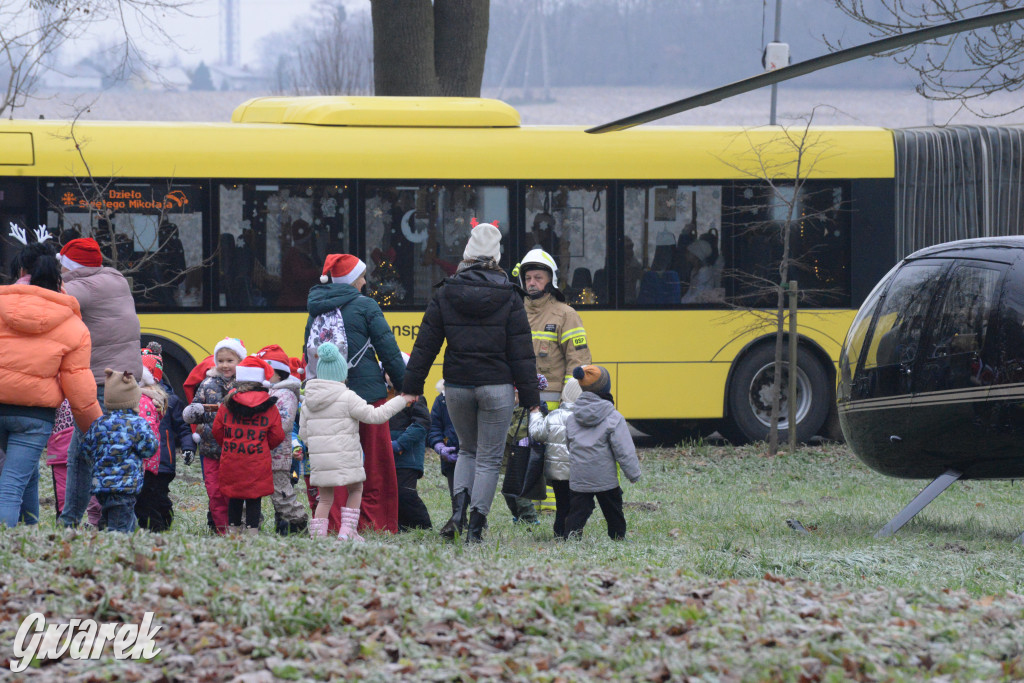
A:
[550,430]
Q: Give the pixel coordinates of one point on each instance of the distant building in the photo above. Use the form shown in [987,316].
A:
[237,78]
[166,78]
[83,75]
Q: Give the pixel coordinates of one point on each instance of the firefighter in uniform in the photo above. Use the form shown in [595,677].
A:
[559,340]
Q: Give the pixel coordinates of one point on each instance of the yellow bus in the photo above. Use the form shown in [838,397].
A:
[658,232]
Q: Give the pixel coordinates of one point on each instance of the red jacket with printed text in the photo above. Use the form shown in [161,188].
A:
[247,427]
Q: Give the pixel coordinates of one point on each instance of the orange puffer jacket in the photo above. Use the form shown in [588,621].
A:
[46,352]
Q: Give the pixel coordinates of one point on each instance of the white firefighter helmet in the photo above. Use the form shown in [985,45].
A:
[537,257]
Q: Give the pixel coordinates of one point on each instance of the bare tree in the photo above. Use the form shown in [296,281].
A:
[338,57]
[419,48]
[966,67]
[33,31]
[328,53]
[781,165]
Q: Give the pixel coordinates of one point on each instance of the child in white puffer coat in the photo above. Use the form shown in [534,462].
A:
[329,426]
[550,430]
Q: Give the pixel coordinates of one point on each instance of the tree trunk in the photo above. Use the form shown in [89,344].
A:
[773,432]
[403,48]
[460,45]
[424,48]
[780,312]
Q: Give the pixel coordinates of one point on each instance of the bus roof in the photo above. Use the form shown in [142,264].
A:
[402,112]
[340,138]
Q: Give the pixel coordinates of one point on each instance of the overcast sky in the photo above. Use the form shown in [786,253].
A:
[199,33]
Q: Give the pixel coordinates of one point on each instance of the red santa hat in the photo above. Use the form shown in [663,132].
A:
[83,252]
[276,358]
[342,268]
[253,369]
[298,368]
[152,367]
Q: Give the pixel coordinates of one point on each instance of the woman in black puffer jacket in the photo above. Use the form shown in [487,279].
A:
[489,355]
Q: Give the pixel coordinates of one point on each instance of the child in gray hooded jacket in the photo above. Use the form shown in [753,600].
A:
[598,438]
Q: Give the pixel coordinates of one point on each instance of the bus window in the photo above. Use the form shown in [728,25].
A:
[819,242]
[673,245]
[570,222]
[16,206]
[151,231]
[415,235]
[273,238]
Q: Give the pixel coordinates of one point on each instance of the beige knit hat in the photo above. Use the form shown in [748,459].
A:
[571,391]
[121,391]
[484,242]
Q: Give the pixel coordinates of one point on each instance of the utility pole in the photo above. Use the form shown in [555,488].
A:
[769,64]
[533,23]
[229,30]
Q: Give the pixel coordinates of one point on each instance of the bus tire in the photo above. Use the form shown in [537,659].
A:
[750,397]
[831,429]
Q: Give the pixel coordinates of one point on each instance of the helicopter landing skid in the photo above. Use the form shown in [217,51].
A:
[930,493]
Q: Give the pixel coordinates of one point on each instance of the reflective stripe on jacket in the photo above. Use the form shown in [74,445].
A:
[559,339]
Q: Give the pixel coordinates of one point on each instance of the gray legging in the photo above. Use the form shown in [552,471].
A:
[481,417]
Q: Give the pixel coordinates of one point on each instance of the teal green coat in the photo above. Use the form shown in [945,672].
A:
[363,320]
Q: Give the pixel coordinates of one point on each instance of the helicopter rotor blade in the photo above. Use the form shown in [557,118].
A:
[809,66]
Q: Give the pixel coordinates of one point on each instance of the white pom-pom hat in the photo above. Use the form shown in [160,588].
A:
[233,345]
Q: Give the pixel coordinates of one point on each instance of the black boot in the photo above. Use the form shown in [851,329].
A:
[455,525]
[475,530]
[287,528]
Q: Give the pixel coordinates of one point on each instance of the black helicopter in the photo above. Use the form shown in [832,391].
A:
[932,372]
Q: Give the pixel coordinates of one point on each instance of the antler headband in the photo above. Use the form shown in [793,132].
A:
[18,233]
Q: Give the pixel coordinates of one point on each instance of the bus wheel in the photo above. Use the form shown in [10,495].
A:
[750,396]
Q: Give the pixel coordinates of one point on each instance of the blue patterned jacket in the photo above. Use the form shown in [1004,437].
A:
[117,443]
